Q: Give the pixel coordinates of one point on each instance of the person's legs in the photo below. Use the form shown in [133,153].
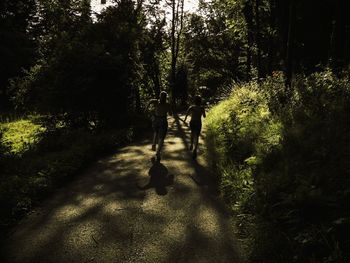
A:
[192,128]
[195,139]
[155,133]
[196,132]
[154,142]
[161,136]
[191,145]
[160,146]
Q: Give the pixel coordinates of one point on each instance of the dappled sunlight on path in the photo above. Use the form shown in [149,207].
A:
[126,208]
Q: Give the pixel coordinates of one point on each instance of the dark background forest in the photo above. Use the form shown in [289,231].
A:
[274,75]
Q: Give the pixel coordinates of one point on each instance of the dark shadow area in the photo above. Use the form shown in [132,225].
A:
[202,175]
[197,243]
[159,178]
[91,195]
[188,126]
[104,214]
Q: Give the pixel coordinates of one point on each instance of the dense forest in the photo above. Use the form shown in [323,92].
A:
[274,75]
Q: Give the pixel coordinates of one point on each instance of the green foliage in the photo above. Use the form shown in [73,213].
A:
[20,135]
[213,41]
[17,47]
[2,146]
[243,131]
[35,160]
[84,66]
[153,48]
[283,161]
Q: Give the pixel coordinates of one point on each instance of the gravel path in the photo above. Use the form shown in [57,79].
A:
[125,208]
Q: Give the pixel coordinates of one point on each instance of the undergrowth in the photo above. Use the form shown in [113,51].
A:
[282,160]
[34,160]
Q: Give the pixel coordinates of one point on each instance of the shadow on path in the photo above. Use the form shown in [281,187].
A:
[159,178]
[107,215]
[202,176]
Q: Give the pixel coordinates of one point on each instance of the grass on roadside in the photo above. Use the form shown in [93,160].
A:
[34,161]
[19,136]
[283,166]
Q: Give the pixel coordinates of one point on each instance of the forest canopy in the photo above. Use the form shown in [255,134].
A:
[57,58]
[74,84]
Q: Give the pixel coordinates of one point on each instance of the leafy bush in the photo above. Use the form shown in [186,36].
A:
[2,146]
[84,67]
[37,159]
[283,160]
[241,131]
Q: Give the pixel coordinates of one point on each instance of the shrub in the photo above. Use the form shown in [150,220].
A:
[284,159]
[241,131]
[39,159]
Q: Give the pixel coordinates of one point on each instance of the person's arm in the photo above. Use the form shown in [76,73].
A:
[187,113]
[203,112]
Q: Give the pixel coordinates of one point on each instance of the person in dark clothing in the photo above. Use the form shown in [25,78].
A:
[196,111]
[159,122]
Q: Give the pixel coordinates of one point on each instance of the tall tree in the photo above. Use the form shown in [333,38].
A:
[17,47]
[84,66]
[258,38]
[153,48]
[216,46]
[177,10]
[248,14]
[289,47]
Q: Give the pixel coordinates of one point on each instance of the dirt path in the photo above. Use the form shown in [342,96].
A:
[126,209]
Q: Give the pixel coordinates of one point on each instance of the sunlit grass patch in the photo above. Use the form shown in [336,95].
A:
[240,132]
[34,160]
[283,160]
[20,135]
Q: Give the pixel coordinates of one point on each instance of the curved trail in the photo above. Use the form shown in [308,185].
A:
[125,208]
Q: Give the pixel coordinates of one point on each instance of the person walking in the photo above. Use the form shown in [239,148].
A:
[159,122]
[196,111]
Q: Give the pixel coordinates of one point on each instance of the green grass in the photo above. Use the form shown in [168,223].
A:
[20,135]
[283,166]
[241,131]
[35,160]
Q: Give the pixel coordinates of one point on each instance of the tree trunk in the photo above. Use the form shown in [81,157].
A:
[176,30]
[248,14]
[271,52]
[258,39]
[173,56]
[156,81]
[290,39]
